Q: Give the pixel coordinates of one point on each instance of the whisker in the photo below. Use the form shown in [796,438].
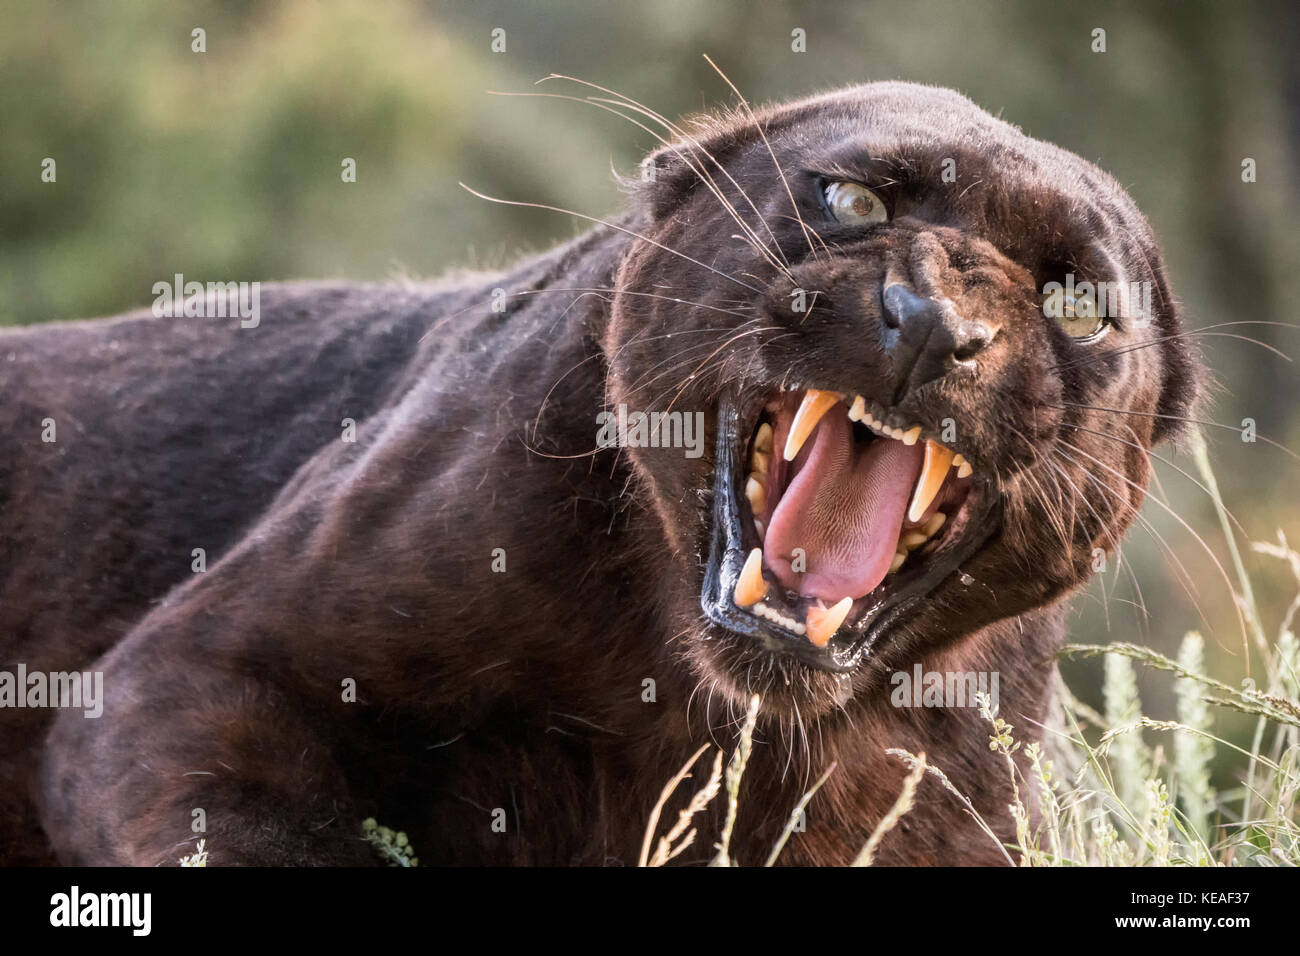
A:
[758,127]
[1180,418]
[675,129]
[751,239]
[1203,330]
[1181,573]
[1241,620]
[1150,454]
[618,228]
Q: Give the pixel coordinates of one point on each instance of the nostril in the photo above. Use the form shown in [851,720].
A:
[974,340]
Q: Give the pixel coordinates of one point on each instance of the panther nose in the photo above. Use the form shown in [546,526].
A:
[926,337]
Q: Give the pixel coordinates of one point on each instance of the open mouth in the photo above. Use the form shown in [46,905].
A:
[831,517]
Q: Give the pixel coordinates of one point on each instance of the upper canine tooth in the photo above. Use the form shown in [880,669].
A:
[756,493]
[911,435]
[763,439]
[815,404]
[934,470]
[823,622]
[858,410]
[750,587]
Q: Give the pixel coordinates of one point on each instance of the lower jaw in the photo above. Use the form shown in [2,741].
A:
[854,642]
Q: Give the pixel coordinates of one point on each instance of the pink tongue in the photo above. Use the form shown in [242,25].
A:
[844,508]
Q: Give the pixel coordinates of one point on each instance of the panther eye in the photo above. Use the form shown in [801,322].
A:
[1076,313]
[854,204]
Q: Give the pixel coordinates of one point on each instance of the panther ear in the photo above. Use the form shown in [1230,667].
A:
[673,173]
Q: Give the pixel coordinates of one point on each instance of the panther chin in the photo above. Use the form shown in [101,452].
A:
[833,521]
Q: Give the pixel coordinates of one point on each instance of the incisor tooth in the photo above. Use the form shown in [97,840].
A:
[751,588]
[815,404]
[756,493]
[763,438]
[911,435]
[897,563]
[933,472]
[934,524]
[858,410]
[823,622]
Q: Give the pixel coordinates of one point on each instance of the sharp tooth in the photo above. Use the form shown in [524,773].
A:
[958,460]
[934,524]
[911,435]
[815,404]
[933,472]
[760,461]
[913,540]
[964,469]
[858,410]
[751,588]
[823,622]
[763,439]
[756,493]
[897,563]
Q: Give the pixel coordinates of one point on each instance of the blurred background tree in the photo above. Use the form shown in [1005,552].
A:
[226,165]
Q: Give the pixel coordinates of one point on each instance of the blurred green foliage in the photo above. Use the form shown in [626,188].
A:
[226,165]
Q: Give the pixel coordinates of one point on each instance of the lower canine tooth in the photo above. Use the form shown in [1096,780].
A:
[751,588]
[815,404]
[823,622]
[933,472]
